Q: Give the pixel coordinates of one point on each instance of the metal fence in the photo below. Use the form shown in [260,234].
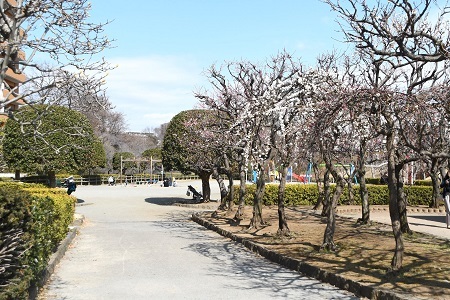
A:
[103,179]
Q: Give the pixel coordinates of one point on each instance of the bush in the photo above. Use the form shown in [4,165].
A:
[373,180]
[45,214]
[38,179]
[53,212]
[418,195]
[423,182]
[15,239]
[295,194]
[307,194]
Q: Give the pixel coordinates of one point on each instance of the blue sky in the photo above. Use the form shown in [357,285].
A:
[162,47]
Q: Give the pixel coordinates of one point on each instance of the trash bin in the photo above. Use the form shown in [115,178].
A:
[166,182]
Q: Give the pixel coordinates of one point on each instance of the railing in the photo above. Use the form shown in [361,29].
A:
[103,179]
[147,179]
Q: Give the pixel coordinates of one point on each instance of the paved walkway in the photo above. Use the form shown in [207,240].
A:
[420,219]
[135,245]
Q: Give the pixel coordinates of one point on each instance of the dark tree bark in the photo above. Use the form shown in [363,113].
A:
[320,189]
[51,179]
[228,171]
[206,189]
[242,190]
[328,237]
[401,200]
[434,203]
[283,228]
[230,199]
[397,259]
[326,193]
[365,209]
[257,220]
[435,179]
[222,188]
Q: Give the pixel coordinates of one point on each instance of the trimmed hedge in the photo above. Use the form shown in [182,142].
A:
[373,180]
[307,194]
[423,182]
[15,239]
[45,215]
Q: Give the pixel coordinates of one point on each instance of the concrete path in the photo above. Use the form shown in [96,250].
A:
[135,245]
[424,220]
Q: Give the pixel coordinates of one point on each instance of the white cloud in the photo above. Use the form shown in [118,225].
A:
[150,90]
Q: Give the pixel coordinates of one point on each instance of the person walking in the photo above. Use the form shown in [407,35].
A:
[445,185]
[111,181]
[71,185]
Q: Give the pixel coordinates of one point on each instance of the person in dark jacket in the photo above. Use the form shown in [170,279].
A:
[71,185]
[445,185]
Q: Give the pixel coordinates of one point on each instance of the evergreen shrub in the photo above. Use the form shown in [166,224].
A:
[423,182]
[373,180]
[44,215]
[307,194]
[15,239]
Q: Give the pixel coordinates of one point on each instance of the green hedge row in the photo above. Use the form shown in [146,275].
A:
[307,194]
[423,182]
[37,220]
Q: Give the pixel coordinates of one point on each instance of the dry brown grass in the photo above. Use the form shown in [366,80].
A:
[364,254]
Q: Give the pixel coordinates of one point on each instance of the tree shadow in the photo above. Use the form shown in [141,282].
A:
[373,256]
[233,260]
[434,218]
[166,201]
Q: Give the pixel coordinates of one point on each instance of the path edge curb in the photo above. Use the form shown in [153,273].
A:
[55,258]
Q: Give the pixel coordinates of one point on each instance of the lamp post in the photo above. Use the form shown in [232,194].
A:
[121,159]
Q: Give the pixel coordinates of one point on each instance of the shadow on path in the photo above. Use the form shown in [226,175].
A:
[434,218]
[232,260]
[169,201]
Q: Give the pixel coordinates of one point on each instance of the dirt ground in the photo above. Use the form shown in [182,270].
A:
[364,253]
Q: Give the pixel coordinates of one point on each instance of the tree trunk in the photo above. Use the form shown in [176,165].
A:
[397,259]
[320,195]
[17,175]
[242,186]
[351,198]
[283,228]
[401,200]
[328,237]
[206,189]
[326,193]
[434,174]
[436,190]
[51,179]
[230,199]
[365,208]
[229,173]
[364,194]
[257,220]
[222,188]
